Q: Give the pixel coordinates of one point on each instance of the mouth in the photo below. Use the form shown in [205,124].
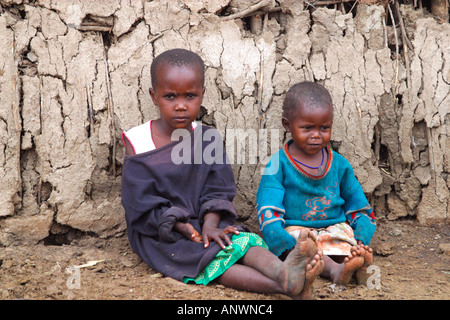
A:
[181,119]
[315,147]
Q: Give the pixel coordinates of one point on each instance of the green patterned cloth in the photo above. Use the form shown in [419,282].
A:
[227,257]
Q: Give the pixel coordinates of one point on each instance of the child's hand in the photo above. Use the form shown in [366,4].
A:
[187,230]
[212,233]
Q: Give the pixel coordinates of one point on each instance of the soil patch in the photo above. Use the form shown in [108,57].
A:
[412,263]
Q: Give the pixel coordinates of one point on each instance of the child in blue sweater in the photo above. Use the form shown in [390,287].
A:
[315,188]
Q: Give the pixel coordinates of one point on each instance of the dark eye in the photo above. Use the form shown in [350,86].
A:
[191,96]
[169,96]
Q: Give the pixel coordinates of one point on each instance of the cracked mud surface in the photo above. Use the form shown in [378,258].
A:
[413,263]
[75,74]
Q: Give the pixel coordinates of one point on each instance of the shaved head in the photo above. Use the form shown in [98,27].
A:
[306,95]
[178,58]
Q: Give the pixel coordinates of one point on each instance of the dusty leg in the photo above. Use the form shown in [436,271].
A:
[263,272]
[361,273]
[245,278]
[341,273]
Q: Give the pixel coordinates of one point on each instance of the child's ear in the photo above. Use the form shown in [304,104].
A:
[152,94]
[285,123]
[203,94]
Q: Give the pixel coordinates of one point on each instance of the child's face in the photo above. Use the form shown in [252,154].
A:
[310,129]
[178,94]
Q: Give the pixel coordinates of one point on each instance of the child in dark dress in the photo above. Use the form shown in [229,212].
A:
[180,216]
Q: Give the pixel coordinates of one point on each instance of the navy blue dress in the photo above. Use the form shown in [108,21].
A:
[156,192]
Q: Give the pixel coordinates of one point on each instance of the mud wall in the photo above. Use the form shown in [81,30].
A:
[75,74]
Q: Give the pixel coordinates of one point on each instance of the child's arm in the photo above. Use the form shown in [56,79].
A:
[212,232]
[271,211]
[219,187]
[364,225]
[358,211]
[129,150]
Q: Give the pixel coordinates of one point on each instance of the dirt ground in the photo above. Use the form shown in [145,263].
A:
[412,262]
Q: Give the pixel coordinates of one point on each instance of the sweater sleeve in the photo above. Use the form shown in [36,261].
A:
[269,199]
[358,211]
[364,225]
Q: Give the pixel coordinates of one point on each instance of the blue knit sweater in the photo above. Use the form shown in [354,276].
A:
[288,196]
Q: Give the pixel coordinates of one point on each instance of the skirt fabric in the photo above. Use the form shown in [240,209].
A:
[240,243]
[335,240]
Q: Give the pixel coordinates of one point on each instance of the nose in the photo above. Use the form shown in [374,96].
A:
[180,105]
[315,134]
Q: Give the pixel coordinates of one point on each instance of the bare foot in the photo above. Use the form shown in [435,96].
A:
[342,274]
[296,264]
[313,270]
[361,273]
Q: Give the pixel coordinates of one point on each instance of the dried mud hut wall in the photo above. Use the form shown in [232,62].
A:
[75,74]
